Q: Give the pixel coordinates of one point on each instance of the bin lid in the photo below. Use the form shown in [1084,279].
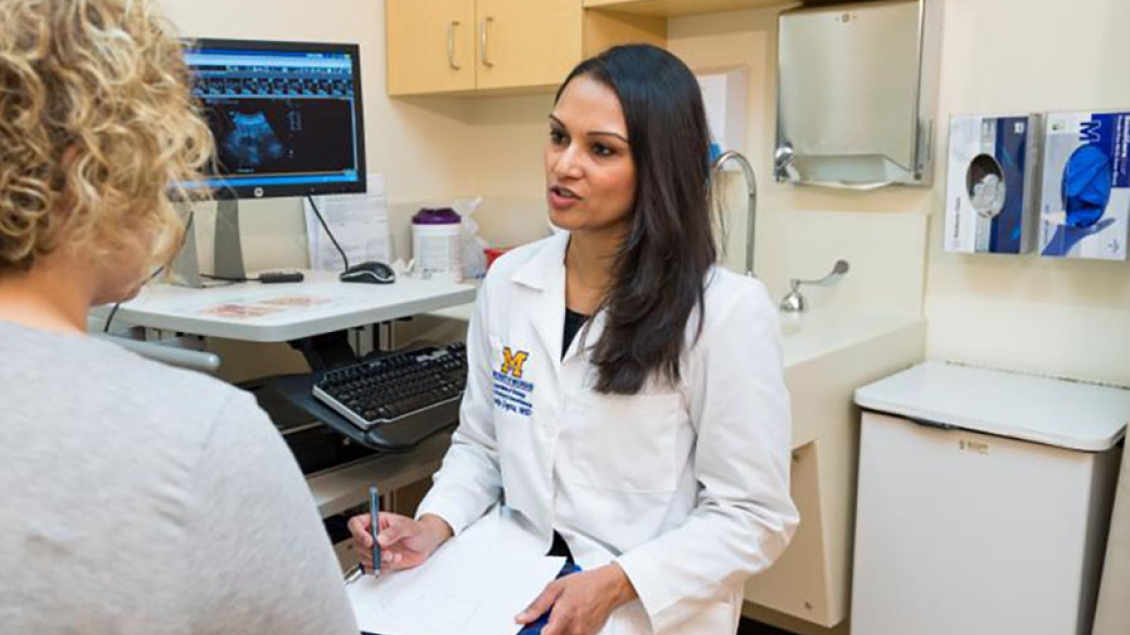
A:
[1059,412]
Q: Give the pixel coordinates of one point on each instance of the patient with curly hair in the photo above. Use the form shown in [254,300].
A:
[137,498]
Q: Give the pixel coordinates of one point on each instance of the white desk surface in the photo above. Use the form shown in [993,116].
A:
[257,312]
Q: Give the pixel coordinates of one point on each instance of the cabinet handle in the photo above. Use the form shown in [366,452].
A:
[483,32]
[451,45]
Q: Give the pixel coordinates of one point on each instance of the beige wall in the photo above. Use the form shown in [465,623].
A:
[1068,318]
[424,147]
[1058,317]
[430,149]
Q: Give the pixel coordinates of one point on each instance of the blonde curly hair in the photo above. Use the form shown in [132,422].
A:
[97,124]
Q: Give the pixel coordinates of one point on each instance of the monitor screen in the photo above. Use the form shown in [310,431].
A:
[286,116]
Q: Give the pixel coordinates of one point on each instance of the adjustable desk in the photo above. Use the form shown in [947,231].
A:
[313,316]
[322,304]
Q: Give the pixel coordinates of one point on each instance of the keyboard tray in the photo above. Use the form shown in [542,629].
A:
[396,436]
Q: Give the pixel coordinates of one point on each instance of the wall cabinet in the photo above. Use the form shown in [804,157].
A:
[525,43]
[491,46]
[431,46]
[669,8]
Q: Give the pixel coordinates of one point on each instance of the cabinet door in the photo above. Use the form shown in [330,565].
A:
[431,46]
[798,584]
[525,44]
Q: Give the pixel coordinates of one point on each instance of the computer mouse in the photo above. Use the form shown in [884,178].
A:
[371,272]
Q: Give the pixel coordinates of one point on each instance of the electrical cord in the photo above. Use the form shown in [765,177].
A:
[209,276]
[113,312]
[161,269]
[326,227]
[117,305]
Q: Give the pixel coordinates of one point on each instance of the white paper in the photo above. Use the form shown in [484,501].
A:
[475,584]
[359,222]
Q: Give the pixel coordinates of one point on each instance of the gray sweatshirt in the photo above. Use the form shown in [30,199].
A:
[137,498]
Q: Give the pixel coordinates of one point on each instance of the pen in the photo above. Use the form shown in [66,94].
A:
[374,527]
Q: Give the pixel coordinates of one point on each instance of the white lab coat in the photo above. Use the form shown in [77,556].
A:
[685,486]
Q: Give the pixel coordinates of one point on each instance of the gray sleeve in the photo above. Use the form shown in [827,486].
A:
[258,558]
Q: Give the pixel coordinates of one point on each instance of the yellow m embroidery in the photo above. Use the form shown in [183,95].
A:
[512,363]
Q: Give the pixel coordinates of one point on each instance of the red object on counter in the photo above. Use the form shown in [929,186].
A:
[493,253]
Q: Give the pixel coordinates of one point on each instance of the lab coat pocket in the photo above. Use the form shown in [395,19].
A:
[624,443]
[512,385]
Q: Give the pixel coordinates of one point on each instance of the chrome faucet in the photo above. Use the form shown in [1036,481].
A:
[794,302]
[751,185]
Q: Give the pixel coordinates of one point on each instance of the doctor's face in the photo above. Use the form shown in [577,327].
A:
[589,172]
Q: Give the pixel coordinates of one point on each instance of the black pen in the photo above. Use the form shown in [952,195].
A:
[374,527]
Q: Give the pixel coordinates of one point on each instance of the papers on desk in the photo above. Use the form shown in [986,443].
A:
[359,222]
[475,584]
[248,309]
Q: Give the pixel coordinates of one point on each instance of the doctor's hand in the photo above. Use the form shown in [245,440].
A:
[405,543]
[581,603]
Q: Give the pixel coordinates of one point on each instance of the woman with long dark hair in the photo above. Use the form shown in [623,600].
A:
[625,395]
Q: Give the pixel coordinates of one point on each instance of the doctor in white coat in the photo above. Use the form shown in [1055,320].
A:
[625,396]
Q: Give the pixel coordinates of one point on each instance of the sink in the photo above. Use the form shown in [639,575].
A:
[789,327]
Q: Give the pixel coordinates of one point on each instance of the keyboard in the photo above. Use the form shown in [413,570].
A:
[421,388]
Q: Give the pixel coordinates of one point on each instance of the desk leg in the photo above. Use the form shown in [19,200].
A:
[326,351]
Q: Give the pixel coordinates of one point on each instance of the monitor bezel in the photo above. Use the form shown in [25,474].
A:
[253,192]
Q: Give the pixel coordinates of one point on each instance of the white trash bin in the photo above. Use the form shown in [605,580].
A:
[984,501]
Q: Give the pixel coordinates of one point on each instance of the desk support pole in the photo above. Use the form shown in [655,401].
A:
[326,351]
[229,250]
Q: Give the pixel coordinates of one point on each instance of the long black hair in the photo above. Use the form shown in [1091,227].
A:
[660,269]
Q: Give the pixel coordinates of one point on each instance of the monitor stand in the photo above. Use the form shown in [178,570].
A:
[227,250]
[228,255]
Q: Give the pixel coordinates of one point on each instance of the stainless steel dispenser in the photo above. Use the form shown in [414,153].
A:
[857,93]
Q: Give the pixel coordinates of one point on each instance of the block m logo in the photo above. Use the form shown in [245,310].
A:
[512,362]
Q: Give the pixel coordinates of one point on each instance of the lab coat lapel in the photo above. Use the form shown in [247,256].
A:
[545,273]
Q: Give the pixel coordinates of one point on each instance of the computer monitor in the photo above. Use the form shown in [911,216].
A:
[287,120]
[286,116]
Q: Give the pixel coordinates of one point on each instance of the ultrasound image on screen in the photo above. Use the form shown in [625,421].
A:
[265,136]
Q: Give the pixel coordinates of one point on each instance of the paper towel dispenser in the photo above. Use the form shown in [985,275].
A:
[857,93]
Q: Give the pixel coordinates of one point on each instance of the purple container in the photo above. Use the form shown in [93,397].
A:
[436,244]
[436,216]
